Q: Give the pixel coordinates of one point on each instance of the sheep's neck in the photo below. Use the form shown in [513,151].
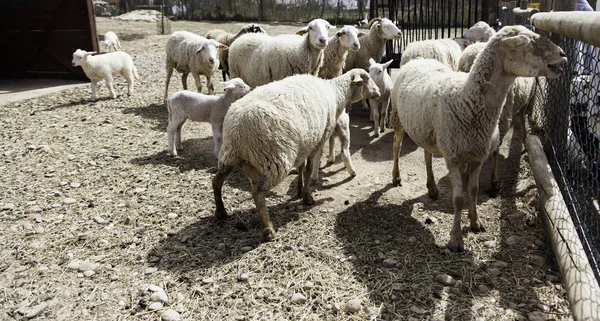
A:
[316,56]
[341,51]
[343,95]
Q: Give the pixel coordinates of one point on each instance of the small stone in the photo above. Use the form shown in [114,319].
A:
[208,281]
[98,219]
[418,310]
[221,246]
[114,277]
[154,288]
[31,147]
[412,239]
[500,264]
[458,283]
[155,306]
[243,277]
[245,249]
[88,273]
[172,215]
[8,207]
[308,285]
[389,263]
[489,244]
[170,315]
[445,279]
[150,270]
[36,310]
[537,316]
[298,298]
[75,184]
[512,240]
[69,200]
[494,272]
[483,288]
[512,305]
[159,296]
[140,190]
[353,305]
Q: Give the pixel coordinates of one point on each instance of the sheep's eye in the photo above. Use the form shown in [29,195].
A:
[310,28]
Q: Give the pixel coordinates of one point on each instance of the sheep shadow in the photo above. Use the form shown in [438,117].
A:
[129,36]
[155,111]
[196,155]
[397,259]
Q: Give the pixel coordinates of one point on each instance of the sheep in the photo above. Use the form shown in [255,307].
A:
[190,53]
[185,104]
[111,40]
[447,51]
[334,55]
[282,125]
[379,106]
[104,67]
[519,99]
[227,39]
[363,24]
[456,114]
[260,59]
[480,31]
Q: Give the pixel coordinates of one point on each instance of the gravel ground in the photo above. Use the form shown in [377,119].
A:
[98,223]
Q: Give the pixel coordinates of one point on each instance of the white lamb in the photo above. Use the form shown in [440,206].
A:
[105,67]
[519,99]
[111,41]
[185,104]
[456,114]
[189,53]
[379,106]
[447,51]
[282,125]
[227,39]
[480,31]
[260,59]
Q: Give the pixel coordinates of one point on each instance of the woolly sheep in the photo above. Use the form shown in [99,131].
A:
[282,125]
[480,31]
[189,53]
[456,114]
[334,55]
[519,99]
[379,106]
[227,39]
[105,67]
[185,104]
[363,24]
[260,59]
[111,40]
[447,51]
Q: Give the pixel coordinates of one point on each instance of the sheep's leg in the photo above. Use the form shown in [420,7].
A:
[314,176]
[345,142]
[432,189]
[383,117]
[111,88]
[259,191]
[331,156]
[217,184]
[198,82]
[128,75]
[94,85]
[300,178]
[306,196]
[172,129]
[456,240]
[178,143]
[365,106]
[169,73]
[217,129]
[375,116]
[475,169]
[494,179]
[184,77]
[224,74]
[398,136]
[209,85]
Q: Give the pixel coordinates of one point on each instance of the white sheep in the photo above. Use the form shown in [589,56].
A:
[189,53]
[480,31]
[456,114]
[111,41]
[519,100]
[185,104]
[379,106]
[447,51]
[260,59]
[364,24]
[227,39]
[334,55]
[280,126]
[105,67]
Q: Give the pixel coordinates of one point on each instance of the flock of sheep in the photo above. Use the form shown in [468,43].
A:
[289,94]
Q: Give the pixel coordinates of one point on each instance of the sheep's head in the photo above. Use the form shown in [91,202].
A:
[524,53]
[318,32]
[348,37]
[209,53]
[386,28]
[480,31]
[253,28]
[80,57]
[362,86]
[236,87]
[377,71]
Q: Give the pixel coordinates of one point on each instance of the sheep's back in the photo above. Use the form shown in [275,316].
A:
[181,53]
[446,51]
[109,63]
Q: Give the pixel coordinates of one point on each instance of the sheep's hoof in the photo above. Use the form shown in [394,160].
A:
[267,234]
[493,193]
[477,228]
[221,214]
[352,173]
[397,182]
[376,134]
[382,129]
[308,199]
[330,161]
[434,195]
[456,246]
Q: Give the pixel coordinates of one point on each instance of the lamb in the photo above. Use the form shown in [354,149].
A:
[380,105]
[447,51]
[189,53]
[104,67]
[282,125]
[334,59]
[456,114]
[227,39]
[111,40]
[519,99]
[185,104]
[480,31]
[260,59]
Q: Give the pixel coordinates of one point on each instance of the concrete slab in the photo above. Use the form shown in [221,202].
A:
[12,90]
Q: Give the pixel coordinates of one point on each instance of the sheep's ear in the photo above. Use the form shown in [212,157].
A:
[371,61]
[228,85]
[387,64]
[516,42]
[340,33]
[221,46]
[361,34]
[302,31]
[198,51]
[89,53]
[331,27]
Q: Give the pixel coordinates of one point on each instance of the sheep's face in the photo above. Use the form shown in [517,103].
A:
[477,32]
[388,29]
[524,53]
[318,32]
[378,71]
[209,53]
[362,86]
[236,87]
[254,28]
[348,37]
[80,57]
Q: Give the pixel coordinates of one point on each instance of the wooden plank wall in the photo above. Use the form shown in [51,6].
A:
[40,37]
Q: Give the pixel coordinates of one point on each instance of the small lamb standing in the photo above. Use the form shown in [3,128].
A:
[379,106]
[185,104]
[111,41]
[260,59]
[189,53]
[227,39]
[480,31]
[281,126]
[456,114]
[105,67]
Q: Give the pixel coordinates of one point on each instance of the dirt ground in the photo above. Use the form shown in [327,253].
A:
[97,221]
